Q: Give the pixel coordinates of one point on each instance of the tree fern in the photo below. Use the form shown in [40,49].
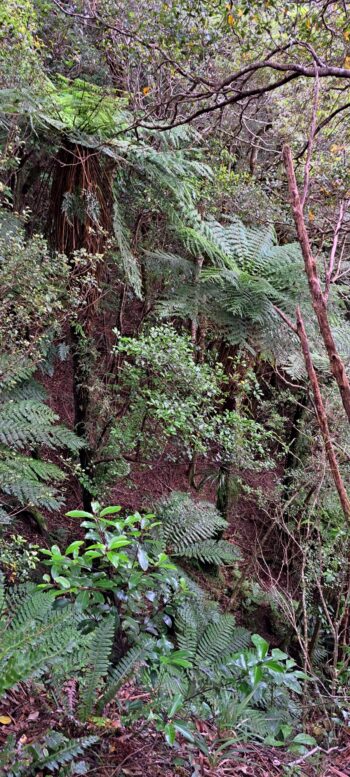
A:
[244,276]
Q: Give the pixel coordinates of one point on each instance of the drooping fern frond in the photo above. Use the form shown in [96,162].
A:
[28,422]
[211,552]
[128,260]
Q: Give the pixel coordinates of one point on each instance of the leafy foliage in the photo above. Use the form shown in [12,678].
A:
[168,388]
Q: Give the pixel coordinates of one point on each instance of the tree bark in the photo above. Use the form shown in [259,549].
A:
[319,301]
[322,417]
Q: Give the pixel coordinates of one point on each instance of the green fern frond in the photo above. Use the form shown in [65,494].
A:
[117,675]
[36,639]
[29,422]
[162,263]
[65,752]
[98,660]
[216,639]
[26,480]
[241,640]
[184,521]
[27,389]
[29,605]
[49,753]
[210,552]
[187,631]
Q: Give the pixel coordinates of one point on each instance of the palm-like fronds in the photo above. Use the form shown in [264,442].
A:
[26,423]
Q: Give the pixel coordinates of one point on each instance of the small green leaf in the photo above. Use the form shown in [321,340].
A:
[177,703]
[83,599]
[74,546]
[63,582]
[274,666]
[286,731]
[170,733]
[114,558]
[118,542]
[79,514]
[261,645]
[142,558]
[178,658]
[304,739]
[256,674]
[278,654]
[183,729]
[110,511]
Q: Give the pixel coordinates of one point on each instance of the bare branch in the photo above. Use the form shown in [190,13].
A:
[334,250]
[311,139]
[318,300]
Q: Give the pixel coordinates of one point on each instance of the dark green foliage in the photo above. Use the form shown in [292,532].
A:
[225,680]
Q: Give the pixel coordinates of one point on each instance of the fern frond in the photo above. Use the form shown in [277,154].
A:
[32,605]
[117,675]
[216,639]
[99,657]
[210,552]
[128,260]
[184,521]
[187,631]
[61,751]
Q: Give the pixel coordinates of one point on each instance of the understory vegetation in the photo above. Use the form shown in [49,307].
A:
[174,388]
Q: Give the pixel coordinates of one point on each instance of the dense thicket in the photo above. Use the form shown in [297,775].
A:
[174,338]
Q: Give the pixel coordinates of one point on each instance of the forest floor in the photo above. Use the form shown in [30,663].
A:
[142,751]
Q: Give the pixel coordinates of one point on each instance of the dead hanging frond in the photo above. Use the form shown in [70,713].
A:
[126,256]
[80,201]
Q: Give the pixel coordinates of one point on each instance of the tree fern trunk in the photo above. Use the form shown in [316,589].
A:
[81,410]
[79,174]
